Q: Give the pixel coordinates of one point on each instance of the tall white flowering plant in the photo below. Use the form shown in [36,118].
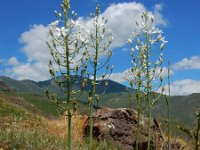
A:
[145,75]
[68,59]
[99,40]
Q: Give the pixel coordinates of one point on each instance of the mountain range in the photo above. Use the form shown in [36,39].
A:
[182,108]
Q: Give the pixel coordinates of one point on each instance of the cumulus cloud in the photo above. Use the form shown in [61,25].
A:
[185,87]
[158,16]
[34,41]
[117,77]
[13,61]
[36,71]
[188,63]
[122,16]
[37,53]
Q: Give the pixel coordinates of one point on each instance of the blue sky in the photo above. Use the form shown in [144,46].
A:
[24,55]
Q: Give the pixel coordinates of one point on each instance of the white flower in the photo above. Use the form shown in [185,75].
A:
[159,38]
[54,24]
[55,11]
[71,23]
[152,41]
[61,32]
[130,41]
[59,14]
[73,12]
[132,49]
[157,62]
[136,47]
[162,46]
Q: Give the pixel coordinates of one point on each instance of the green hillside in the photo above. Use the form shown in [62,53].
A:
[182,108]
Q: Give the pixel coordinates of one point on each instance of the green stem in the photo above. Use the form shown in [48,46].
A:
[148,92]
[93,87]
[69,130]
[91,129]
[68,98]
[138,120]
[68,94]
[168,109]
[149,123]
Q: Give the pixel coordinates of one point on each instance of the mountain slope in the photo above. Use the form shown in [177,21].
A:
[39,88]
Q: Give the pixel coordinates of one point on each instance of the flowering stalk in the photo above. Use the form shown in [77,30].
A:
[66,47]
[100,39]
[145,74]
[168,109]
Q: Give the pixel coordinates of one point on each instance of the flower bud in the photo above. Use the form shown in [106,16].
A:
[163,89]
[106,83]
[84,83]
[161,78]
[103,75]
[109,53]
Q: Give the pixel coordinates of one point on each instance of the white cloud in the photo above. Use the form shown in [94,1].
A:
[185,87]
[34,41]
[36,71]
[37,53]
[188,63]
[13,61]
[122,17]
[158,16]
[117,77]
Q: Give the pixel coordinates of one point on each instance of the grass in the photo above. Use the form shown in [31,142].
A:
[21,129]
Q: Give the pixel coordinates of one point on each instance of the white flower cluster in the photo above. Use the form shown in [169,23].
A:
[147,42]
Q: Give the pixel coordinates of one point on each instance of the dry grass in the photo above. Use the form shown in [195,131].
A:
[58,126]
[186,145]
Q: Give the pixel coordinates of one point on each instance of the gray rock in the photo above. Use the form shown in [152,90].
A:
[118,126]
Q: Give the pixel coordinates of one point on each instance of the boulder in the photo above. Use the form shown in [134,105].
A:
[119,126]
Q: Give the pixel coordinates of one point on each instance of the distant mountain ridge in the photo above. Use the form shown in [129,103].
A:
[38,88]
